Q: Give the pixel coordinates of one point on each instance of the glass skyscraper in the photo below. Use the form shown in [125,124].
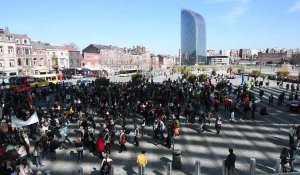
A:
[193,38]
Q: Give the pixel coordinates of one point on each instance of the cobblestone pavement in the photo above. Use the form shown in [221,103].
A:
[261,139]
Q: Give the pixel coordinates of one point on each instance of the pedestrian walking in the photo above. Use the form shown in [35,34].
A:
[230,162]
[137,135]
[292,157]
[271,98]
[218,124]
[142,162]
[284,155]
[37,154]
[253,111]
[292,132]
[100,146]
[106,164]
[79,149]
[122,141]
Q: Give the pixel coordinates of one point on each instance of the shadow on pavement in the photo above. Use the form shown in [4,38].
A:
[129,170]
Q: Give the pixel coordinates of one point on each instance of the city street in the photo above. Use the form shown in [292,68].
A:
[261,139]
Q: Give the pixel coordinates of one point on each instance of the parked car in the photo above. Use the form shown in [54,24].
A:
[294,105]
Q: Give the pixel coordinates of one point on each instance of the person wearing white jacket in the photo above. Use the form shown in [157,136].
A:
[25,168]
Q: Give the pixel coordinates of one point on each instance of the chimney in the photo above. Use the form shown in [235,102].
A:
[6,29]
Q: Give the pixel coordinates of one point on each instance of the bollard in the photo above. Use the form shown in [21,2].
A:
[223,167]
[39,173]
[278,165]
[169,168]
[111,170]
[176,162]
[252,166]
[197,167]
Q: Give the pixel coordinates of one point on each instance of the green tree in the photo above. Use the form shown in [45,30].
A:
[137,78]
[283,72]
[202,77]
[239,71]
[101,82]
[256,73]
[214,72]
[192,78]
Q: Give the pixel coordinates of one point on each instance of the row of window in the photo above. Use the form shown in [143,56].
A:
[11,63]
[61,54]
[10,50]
[22,41]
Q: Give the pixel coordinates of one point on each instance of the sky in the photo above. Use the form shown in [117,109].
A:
[155,24]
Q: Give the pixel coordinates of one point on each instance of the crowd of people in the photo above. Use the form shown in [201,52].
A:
[96,110]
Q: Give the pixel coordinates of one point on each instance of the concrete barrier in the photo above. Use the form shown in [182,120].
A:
[197,167]
[223,167]
[278,166]
[252,166]
[169,168]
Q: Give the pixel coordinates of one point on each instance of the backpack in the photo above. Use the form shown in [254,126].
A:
[105,167]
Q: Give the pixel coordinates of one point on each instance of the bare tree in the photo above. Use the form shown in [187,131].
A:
[71,44]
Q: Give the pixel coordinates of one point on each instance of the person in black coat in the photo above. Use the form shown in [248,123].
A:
[230,162]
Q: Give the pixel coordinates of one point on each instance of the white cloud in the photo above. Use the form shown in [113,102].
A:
[295,7]
[237,11]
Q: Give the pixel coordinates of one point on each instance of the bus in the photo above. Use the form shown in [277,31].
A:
[24,83]
[127,73]
[69,72]
[51,78]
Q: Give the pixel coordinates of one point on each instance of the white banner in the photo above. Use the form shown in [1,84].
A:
[15,122]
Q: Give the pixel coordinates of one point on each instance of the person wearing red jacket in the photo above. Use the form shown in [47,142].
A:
[122,141]
[100,143]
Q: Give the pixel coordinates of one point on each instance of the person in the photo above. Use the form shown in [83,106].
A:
[292,157]
[100,146]
[271,100]
[218,124]
[37,154]
[230,162]
[25,168]
[292,132]
[122,141]
[175,126]
[253,110]
[261,94]
[142,161]
[107,139]
[106,164]
[79,149]
[136,135]
[284,159]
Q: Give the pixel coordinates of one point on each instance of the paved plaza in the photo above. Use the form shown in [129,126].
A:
[261,139]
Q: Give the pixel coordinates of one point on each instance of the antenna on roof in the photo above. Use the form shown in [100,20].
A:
[180,4]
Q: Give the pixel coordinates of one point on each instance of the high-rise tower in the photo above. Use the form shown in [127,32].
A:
[193,38]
